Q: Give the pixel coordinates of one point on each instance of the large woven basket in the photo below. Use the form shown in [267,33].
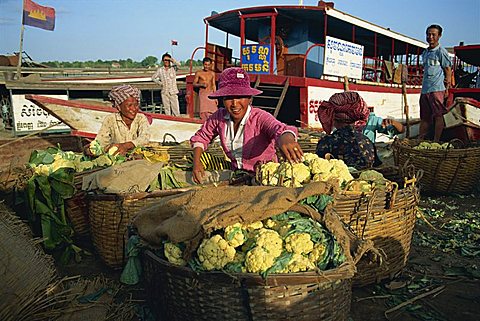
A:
[445,171]
[76,207]
[386,218]
[110,215]
[179,293]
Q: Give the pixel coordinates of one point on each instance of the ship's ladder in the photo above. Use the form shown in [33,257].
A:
[272,97]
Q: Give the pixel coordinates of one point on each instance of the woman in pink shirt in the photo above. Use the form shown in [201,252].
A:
[248,135]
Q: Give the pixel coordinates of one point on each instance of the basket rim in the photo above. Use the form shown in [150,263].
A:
[339,273]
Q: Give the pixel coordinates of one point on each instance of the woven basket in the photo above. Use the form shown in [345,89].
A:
[386,218]
[445,171]
[76,207]
[109,216]
[179,293]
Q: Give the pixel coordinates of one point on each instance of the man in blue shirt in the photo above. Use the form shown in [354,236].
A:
[437,75]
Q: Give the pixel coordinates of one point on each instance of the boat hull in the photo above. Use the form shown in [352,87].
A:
[86,119]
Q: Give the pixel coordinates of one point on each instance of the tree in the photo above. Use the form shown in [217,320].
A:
[149,61]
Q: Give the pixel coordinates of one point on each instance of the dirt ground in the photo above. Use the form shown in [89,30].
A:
[440,264]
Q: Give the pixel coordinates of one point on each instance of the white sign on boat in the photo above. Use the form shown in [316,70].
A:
[343,58]
[29,117]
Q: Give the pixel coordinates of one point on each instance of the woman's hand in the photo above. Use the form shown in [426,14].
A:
[123,148]
[87,151]
[290,148]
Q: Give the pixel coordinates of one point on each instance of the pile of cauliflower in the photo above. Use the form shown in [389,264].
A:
[49,161]
[285,243]
[312,169]
[433,145]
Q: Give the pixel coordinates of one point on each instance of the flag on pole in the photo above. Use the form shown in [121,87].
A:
[38,16]
[174,42]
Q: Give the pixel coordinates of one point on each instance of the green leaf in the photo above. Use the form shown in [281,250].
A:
[280,263]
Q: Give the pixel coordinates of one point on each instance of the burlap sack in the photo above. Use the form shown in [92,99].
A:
[191,216]
[129,177]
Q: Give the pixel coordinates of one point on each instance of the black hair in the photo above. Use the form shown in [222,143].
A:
[166,55]
[440,29]
[207,59]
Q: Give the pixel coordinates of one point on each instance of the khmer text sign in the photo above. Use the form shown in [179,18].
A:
[256,58]
[343,58]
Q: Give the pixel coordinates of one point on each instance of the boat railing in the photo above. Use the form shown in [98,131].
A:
[191,57]
[306,55]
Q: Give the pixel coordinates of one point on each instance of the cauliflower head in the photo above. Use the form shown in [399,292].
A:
[301,173]
[103,160]
[270,241]
[235,235]
[62,163]
[298,263]
[371,175]
[214,253]
[309,157]
[318,253]
[83,166]
[95,148]
[173,253]
[259,260]
[320,166]
[299,243]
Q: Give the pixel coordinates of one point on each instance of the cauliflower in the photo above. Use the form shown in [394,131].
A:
[254,226]
[270,241]
[62,163]
[269,173]
[95,148]
[268,246]
[259,260]
[371,175]
[318,253]
[433,145]
[103,160]
[360,186]
[42,170]
[83,166]
[112,150]
[214,253]
[301,173]
[320,166]
[299,243]
[298,263]
[234,235]
[173,253]
[340,170]
[309,157]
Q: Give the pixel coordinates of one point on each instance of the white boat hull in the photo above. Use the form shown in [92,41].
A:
[86,119]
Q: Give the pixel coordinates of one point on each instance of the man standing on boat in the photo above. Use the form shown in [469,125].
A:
[166,77]
[437,77]
[205,81]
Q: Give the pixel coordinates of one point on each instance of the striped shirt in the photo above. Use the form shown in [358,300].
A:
[167,78]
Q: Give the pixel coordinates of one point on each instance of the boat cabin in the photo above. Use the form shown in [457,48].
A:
[313,47]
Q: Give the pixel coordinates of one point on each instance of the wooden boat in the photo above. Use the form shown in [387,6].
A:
[463,119]
[85,119]
[303,66]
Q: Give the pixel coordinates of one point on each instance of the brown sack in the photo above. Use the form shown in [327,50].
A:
[193,214]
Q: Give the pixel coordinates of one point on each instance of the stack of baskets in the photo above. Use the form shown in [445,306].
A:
[110,215]
[445,170]
[388,219]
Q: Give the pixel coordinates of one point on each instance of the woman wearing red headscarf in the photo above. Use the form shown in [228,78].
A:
[343,118]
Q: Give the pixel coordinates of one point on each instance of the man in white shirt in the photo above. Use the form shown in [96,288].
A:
[166,77]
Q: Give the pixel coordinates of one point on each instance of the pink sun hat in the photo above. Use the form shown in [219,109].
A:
[234,81]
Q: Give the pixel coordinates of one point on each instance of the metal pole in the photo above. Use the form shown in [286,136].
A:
[19,65]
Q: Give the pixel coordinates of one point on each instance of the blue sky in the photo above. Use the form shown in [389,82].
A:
[120,29]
